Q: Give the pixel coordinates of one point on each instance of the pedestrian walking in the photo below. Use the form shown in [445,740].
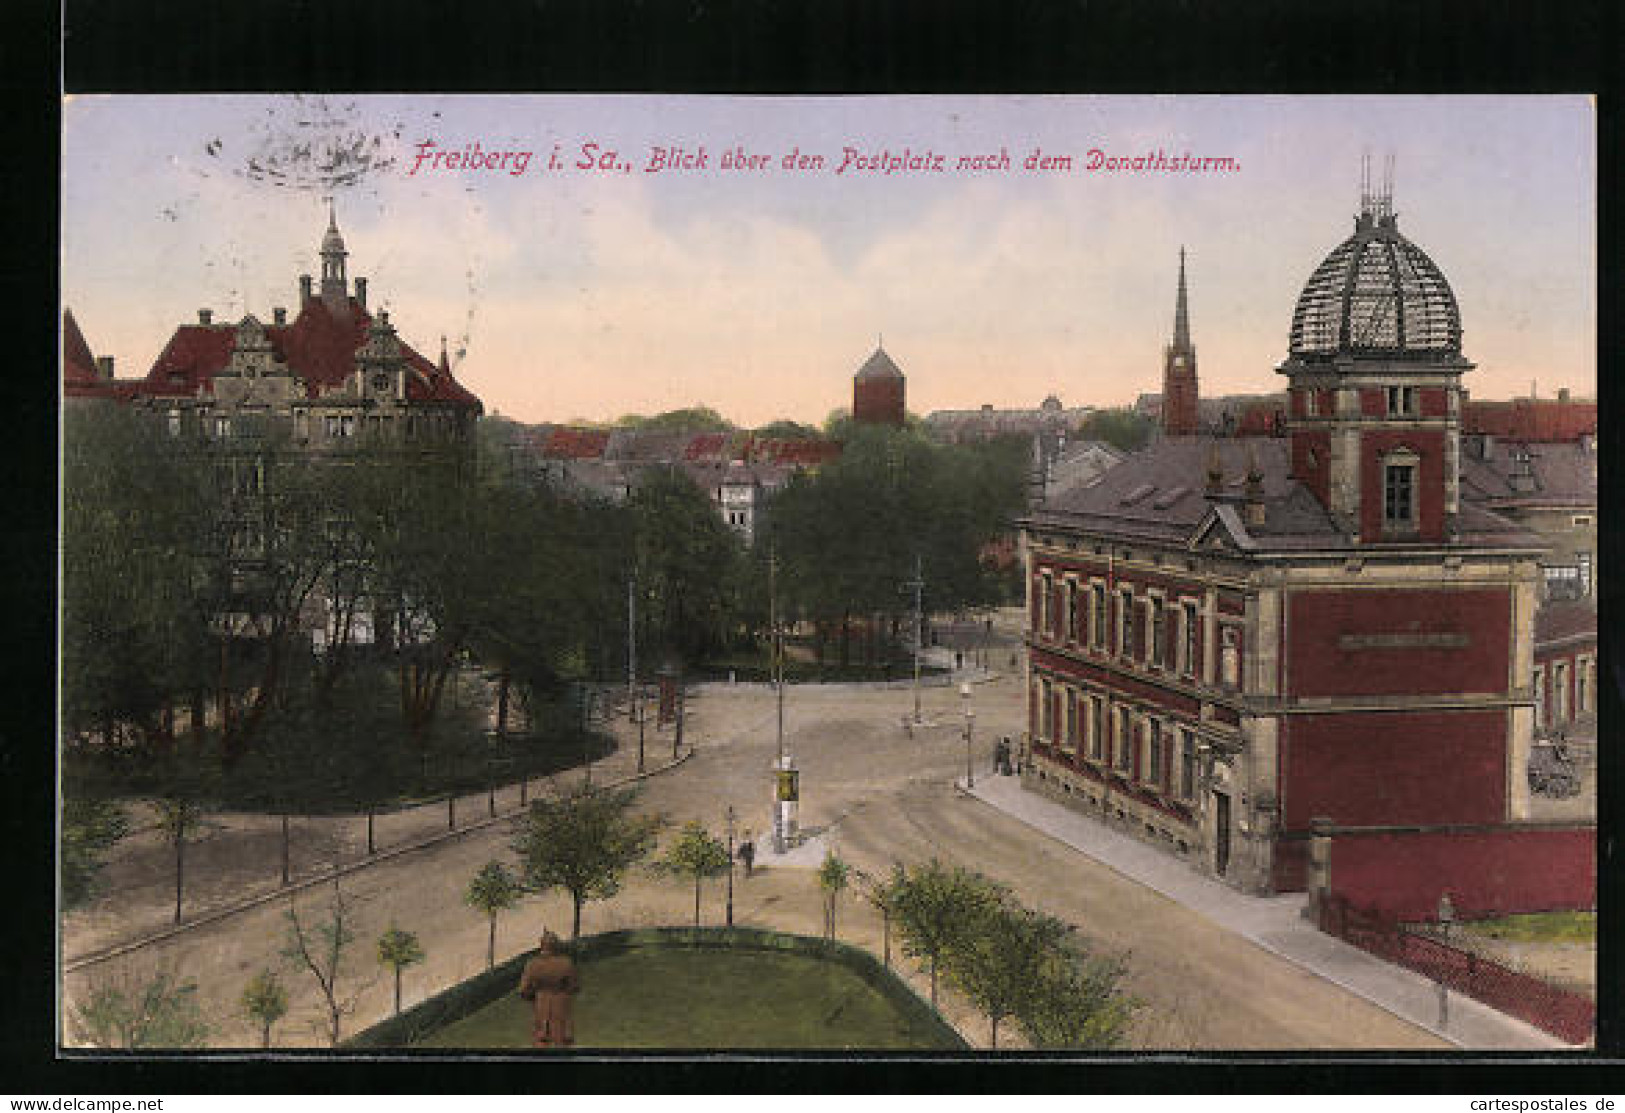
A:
[549,983]
[747,853]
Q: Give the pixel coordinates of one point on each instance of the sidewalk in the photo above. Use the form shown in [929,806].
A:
[1273,923]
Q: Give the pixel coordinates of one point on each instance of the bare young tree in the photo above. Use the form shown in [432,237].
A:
[320,948]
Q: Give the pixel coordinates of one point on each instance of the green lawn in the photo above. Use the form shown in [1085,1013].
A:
[1539,927]
[657,997]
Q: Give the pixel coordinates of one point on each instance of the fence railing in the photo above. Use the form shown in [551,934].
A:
[1565,1014]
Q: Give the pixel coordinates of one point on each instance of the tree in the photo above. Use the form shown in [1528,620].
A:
[160,1013]
[265,1000]
[178,818]
[397,950]
[937,907]
[698,854]
[1119,428]
[833,875]
[692,419]
[493,890]
[1077,1003]
[583,842]
[90,827]
[685,557]
[1003,961]
[880,893]
[320,949]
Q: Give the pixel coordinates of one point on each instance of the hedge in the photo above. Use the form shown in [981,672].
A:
[488,986]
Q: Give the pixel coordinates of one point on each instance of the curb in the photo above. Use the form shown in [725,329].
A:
[97,957]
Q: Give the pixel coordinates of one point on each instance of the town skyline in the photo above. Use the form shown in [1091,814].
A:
[587,295]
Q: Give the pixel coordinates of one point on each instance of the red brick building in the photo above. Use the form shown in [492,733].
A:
[879,392]
[1231,637]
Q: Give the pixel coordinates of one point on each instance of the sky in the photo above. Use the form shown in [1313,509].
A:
[586,293]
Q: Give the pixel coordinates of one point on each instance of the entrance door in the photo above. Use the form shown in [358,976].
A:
[1221,832]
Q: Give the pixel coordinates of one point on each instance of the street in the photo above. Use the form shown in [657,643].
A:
[876,794]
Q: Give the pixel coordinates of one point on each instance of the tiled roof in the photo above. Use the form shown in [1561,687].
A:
[1159,495]
[319,347]
[1557,474]
[879,366]
[565,443]
[1561,619]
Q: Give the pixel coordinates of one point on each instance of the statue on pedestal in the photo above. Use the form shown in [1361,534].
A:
[549,982]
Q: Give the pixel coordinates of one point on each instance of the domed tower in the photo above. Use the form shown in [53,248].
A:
[335,292]
[1374,366]
[1179,394]
[878,391]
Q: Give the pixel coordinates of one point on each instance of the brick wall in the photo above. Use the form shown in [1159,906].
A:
[1398,642]
[1487,871]
[1397,767]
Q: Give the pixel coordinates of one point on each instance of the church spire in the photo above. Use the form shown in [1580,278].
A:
[1179,400]
[1182,317]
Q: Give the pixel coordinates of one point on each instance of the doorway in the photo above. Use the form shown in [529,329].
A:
[1221,832]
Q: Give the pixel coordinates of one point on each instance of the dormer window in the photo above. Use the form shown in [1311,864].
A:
[1402,401]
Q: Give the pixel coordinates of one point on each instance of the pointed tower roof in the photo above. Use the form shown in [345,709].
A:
[333,241]
[445,365]
[879,366]
[1182,317]
[78,363]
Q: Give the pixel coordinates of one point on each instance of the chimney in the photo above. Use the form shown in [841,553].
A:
[361,292]
[279,316]
[1255,490]
[304,289]
[205,316]
[1215,474]
[104,368]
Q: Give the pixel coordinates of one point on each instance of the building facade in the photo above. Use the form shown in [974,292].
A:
[1233,637]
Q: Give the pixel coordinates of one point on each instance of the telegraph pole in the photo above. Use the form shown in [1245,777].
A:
[917,585]
[778,684]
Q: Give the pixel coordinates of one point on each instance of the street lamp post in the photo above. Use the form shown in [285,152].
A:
[637,713]
[970,720]
[730,865]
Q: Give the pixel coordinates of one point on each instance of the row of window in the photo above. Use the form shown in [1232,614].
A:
[1572,693]
[1399,401]
[1148,629]
[1112,735]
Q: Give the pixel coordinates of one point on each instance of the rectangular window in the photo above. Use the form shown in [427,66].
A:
[1159,643]
[1187,764]
[1193,649]
[1046,711]
[1399,496]
[1402,401]
[1230,657]
[1097,727]
[1072,721]
[1560,694]
[1582,686]
[1069,610]
[1582,560]
[1123,744]
[1540,696]
[1097,615]
[1125,619]
[222,426]
[174,423]
[1154,752]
